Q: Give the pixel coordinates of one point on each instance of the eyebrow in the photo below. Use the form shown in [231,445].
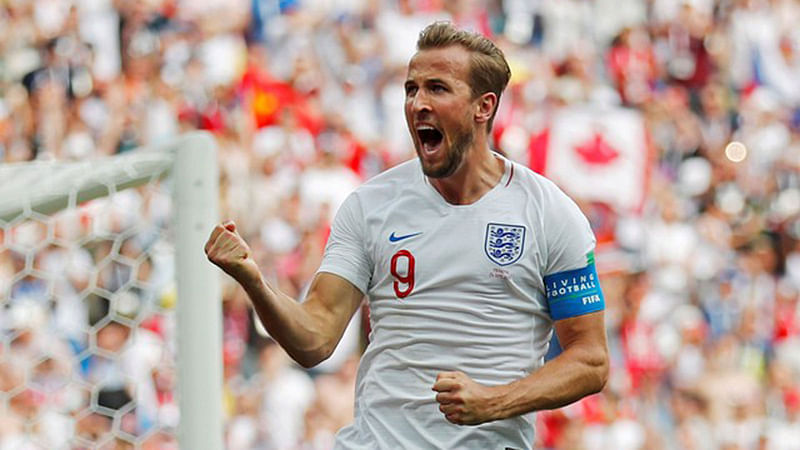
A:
[428,81]
[436,80]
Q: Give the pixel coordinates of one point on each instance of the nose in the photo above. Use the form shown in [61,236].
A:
[419,102]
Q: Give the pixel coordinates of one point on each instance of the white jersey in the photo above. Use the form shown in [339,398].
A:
[450,287]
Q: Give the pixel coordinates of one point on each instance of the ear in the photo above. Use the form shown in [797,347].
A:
[485,106]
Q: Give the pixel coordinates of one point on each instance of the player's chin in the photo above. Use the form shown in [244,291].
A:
[434,171]
[436,167]
[441,170]
[428,164]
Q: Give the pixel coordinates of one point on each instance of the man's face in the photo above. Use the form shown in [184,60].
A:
[440,108]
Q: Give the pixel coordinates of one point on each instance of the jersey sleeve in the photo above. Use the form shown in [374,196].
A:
[570,278]
[345,253]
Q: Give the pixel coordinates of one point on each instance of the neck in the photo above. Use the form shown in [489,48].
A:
[480,171]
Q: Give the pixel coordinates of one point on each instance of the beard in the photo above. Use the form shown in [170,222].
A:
[453,159]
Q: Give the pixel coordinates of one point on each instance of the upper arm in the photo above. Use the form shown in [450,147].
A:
[346,253]
[584,338]
[587,331]
[571,285]
[332,301]
[343,277]
[574,296]
[568,234]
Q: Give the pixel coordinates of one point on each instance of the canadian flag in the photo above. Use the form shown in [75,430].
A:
[596,154]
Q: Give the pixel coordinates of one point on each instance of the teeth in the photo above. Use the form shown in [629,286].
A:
[425,127]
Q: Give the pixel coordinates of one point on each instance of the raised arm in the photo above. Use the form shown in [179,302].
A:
[308,331]
[580,370]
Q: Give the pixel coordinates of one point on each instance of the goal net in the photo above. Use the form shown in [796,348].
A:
[110,322]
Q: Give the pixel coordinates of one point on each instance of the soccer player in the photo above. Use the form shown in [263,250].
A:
[469,261]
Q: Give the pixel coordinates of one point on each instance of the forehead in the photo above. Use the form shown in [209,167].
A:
[443,63]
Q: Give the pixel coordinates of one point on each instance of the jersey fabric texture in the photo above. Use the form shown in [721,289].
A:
[450,287]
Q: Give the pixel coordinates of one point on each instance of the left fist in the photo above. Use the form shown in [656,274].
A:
[462,400]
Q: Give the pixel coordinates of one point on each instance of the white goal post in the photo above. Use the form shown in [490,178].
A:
[42,188]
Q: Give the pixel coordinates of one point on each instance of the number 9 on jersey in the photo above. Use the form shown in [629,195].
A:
[402,268]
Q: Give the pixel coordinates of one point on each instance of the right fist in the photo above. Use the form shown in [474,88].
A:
[227,250]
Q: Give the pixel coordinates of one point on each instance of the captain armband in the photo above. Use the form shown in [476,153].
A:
[574,292]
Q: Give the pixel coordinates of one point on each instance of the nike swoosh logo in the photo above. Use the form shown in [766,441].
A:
[393,238]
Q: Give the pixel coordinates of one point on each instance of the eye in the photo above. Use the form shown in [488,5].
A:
[410,90]
[438,88]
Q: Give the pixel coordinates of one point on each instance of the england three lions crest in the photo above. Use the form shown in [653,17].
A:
[504,243]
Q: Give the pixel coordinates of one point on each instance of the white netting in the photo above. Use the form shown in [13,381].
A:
[87,343]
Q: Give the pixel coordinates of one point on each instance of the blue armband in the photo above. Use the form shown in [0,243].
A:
[574,292]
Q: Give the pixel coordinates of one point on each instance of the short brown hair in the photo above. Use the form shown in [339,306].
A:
[489,71]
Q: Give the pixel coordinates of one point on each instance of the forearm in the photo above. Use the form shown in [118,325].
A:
[308,331]
[574,374]
[299,331]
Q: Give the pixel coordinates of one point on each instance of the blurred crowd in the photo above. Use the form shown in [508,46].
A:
[305,101]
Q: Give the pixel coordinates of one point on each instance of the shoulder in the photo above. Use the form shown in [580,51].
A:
[536,186]
[381,192]
[556,212]
[399,173]
[390,181]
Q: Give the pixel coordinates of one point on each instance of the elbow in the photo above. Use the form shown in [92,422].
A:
[307,363]
[310,358]
[602,380]
[600,371]
[594,363]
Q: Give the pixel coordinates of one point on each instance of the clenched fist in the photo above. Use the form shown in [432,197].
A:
[226,249]
[462,400]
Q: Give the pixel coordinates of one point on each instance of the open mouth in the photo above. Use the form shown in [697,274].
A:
[429,137]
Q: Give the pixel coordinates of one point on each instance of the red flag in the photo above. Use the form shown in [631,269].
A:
[267,96]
